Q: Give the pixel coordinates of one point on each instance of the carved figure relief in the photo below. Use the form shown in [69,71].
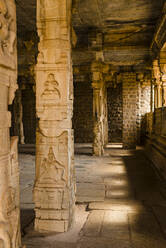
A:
[96,131]
[63,143]
[9,221]
[51,170]
[51,91]
[7,35]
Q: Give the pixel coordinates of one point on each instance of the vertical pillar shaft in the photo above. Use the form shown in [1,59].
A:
[162,63]
[152,97]
[158,84]
[159,94]
[54,190]
[9,173]
[105,117]
[99,110]
[164,93]
[155,96]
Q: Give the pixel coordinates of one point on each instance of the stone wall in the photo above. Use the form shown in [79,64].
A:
[29,115]
[83,112]
[130,97]
[155,142]
[115,113]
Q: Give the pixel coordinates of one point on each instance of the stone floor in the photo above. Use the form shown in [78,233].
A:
[121,203]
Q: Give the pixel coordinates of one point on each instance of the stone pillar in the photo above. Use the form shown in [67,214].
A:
[54,189]
[17,111]
[152,95]
[130,93]
[9,173]
[99,109]
[159,94]
[105,116]
[105,70]
[163,76]
[158,84]
[164,90]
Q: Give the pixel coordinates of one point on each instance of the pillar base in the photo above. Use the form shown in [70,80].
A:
[54,209]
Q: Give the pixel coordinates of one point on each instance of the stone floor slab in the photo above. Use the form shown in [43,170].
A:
[144,226]
[89,192]
[93,224]
[115,225]
[118,205]
[103,243]
[160,214]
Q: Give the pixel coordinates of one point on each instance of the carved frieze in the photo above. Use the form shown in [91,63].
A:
[7,34]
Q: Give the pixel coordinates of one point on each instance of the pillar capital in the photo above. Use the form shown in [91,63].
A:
[97,85]
[156,71]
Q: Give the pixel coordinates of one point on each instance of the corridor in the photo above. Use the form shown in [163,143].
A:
[121,203]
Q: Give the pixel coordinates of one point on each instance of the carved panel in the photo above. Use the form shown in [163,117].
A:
[12,216]
[4,141]
[48,198]
[7,34]
[51,92]
[52,171]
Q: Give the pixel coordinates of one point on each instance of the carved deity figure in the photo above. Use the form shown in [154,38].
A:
[9,221]
[7,35]
[51,92]
[52,170]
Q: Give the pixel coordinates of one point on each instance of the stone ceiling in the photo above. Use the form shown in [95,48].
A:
[127,28]
[123,29]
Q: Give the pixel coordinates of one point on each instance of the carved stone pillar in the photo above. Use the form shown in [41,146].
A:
[9,173]
[54,189]
[99,108]
[152,95]
[105,116]
[160,93]
[163,77]
[158,84]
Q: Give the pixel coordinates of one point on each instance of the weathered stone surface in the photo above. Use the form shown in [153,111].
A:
[130,93]
[93,224]
[144,226]
[115,225]
[88,192]
[122,193]
[159,212]
[99,242]
[118,205]
[9,169]
[83,107]
[148,243]
[112,223]
[115,113]
[54,187]
[100,125]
